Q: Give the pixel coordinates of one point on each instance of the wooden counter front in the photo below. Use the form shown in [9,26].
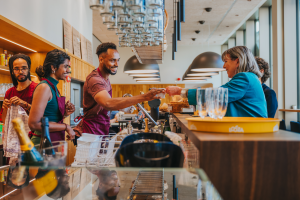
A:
[249,166]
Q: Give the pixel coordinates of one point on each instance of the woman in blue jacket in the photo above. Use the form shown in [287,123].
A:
[245,94]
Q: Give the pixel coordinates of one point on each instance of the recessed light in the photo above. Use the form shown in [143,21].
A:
[227,26]
[236,15]
[208,9]
[197,31]
[202,22]
[193,39]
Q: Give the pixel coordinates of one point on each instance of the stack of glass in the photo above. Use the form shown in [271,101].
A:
[212,102]
[4,87]
[136,22]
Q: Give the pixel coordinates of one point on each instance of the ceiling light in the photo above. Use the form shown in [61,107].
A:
[197,31]
[133,66]
[197,78]
[193,39]
[146,79]
[207,62]
[17,44]
[143,75]
[194,80]
[202,22]
[208,9]
[203,74]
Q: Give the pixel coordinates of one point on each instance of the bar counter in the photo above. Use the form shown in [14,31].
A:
[249,166]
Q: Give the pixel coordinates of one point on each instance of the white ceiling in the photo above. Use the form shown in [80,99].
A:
[224,19]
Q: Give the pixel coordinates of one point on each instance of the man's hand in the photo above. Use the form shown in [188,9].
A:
[69,109]
[173,90]
[17,101]
[6,104]
[151,95]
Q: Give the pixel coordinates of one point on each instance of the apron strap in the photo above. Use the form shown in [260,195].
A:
[51,84]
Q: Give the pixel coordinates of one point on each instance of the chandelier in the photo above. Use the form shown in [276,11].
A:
[136,22]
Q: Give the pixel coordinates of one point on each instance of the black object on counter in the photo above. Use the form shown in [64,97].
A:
[174,186]
[138,136]
[167,123]
[154,105]
[149,155]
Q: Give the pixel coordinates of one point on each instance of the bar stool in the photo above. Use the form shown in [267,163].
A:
[295,126]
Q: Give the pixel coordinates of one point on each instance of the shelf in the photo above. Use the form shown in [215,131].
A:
[289,110]
[5,70]
[1,98]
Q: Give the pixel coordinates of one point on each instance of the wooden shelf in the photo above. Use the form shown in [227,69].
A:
[1,98]
[5,70]
[289,110]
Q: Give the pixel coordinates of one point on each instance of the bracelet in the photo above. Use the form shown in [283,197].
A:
[66,127]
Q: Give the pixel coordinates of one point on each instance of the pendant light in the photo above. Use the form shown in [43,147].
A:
[207,62]
[133,66]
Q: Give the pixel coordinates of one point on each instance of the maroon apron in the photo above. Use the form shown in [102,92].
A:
[97,124]
[58,135]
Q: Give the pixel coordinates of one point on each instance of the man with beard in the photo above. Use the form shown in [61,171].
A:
[97,94]
[21,93]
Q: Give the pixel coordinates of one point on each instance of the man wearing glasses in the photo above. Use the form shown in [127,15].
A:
[21,93]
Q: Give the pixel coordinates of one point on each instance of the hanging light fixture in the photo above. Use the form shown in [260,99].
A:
[203,74]
[197,78]
[133,66]
[207,62]
[131,19]
[144,75]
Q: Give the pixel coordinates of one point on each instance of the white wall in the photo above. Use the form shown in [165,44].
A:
[96,43]
[240,38]
[44,18]
[169,70]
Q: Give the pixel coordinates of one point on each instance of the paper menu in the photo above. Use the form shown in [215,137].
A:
[84,55]
[89,51]
[67,36]
[76,43]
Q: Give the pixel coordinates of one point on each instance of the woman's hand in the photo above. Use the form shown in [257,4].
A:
[70,108]
[151,95]
[6,104]
[71,133]
[173,90]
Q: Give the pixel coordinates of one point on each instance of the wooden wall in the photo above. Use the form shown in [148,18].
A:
[118,90]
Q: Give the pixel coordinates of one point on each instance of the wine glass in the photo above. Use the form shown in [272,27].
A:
[202,102]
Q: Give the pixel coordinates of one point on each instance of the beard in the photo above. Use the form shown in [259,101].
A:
[22,79]
[108,70]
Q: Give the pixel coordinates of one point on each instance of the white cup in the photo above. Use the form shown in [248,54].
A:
[294,107]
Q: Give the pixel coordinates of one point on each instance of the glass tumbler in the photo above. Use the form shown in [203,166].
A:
[224,98]
[202,102]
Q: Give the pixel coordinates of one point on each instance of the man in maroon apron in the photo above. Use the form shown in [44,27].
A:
[97,93]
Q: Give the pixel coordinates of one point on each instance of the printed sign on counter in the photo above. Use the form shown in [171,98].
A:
[76,43]
[67,36]
[83,48]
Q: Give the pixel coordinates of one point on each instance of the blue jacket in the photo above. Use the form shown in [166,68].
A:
[245,96]
[271,99]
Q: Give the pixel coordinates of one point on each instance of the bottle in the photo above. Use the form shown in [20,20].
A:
[167,124]
[30,156]
[45,137]
[129,128]
[174,127]
[6,55]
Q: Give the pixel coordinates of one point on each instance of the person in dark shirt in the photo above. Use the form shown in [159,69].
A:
[270,94]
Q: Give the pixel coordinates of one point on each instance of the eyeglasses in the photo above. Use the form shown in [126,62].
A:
[21,69]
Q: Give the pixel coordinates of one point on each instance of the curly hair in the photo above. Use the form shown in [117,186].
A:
[102,48]
[11,66]
[53,58]
[262,64]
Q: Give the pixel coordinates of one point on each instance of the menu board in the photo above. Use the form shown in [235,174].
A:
[89,51]
[76,43]
[67,39]
[84,54]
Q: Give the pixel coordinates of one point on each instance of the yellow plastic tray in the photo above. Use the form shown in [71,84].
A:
[234,124]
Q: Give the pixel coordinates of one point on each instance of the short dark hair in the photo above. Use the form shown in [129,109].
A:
[11,66]
[102,48]
[55,57]
[262,64]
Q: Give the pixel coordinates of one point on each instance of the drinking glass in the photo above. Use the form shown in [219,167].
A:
[224,97]
[212,96]
[202,102]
